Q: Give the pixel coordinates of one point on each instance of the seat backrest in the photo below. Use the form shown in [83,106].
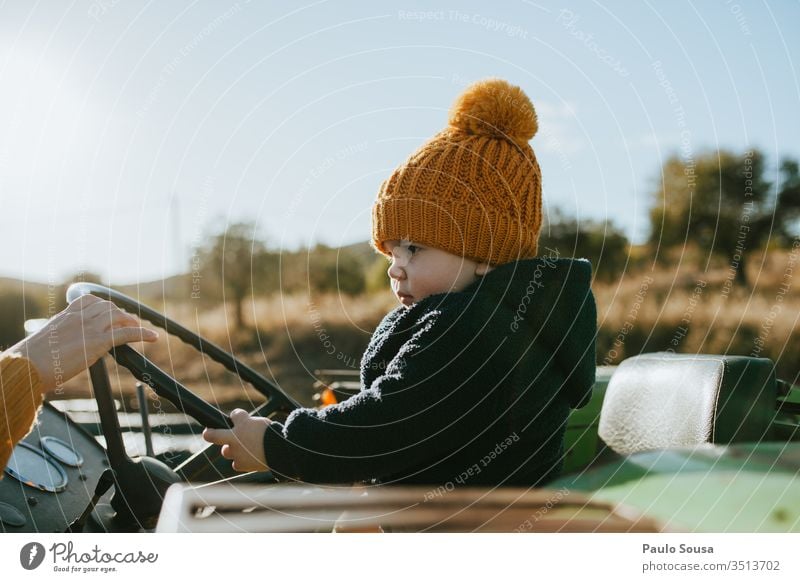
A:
[662,400]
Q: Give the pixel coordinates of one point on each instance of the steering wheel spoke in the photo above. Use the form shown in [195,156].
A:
[168,387]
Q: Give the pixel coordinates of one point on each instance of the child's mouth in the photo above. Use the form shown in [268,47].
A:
[405,298]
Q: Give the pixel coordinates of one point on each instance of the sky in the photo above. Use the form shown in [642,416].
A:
[130,131]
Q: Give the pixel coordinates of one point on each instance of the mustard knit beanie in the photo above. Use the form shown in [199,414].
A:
[475,188]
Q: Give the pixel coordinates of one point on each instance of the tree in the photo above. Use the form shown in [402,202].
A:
[335,270]
[236,263]
[377,275]
[16,306]
[605,245]
[719,201]
[789,200]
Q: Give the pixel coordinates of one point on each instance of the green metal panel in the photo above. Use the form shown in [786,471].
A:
[581,441]
[718,501]
[773,457]
[715,488]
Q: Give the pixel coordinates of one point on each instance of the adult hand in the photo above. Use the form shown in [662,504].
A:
[77,337]
[244,443]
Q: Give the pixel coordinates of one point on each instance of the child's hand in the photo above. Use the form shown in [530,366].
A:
[244,443]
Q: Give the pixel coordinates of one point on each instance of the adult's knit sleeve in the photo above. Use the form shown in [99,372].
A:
[20,398]
[428,397]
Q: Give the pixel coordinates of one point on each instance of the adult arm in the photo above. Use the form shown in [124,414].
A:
[20,398]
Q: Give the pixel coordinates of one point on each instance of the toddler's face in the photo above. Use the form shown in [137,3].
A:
[417,271]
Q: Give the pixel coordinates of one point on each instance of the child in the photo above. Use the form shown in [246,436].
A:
[470,381]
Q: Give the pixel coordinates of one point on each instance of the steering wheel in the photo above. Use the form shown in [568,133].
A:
[140,483]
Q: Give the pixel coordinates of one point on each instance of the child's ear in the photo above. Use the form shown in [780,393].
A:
[482,269]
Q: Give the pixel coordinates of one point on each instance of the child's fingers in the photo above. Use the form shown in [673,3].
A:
[245,463]
[241,466]
[238,416]
[217,436]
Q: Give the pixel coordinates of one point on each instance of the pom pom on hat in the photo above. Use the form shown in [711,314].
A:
[495,108]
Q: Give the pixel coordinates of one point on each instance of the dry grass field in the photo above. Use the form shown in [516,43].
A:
[688,311]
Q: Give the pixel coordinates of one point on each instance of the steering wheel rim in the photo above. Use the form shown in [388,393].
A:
[131,500]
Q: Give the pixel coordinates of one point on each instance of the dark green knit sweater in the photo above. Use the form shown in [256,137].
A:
[465,388]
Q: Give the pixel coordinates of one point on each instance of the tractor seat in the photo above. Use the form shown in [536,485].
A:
[664,400]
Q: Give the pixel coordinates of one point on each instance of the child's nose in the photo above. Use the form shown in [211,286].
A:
[396,271]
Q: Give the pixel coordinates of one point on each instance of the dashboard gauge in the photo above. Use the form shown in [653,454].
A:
[12,516]
[33,468]
[61,451]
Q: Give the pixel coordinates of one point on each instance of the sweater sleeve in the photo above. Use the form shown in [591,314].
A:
[20,398]
[427,398]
